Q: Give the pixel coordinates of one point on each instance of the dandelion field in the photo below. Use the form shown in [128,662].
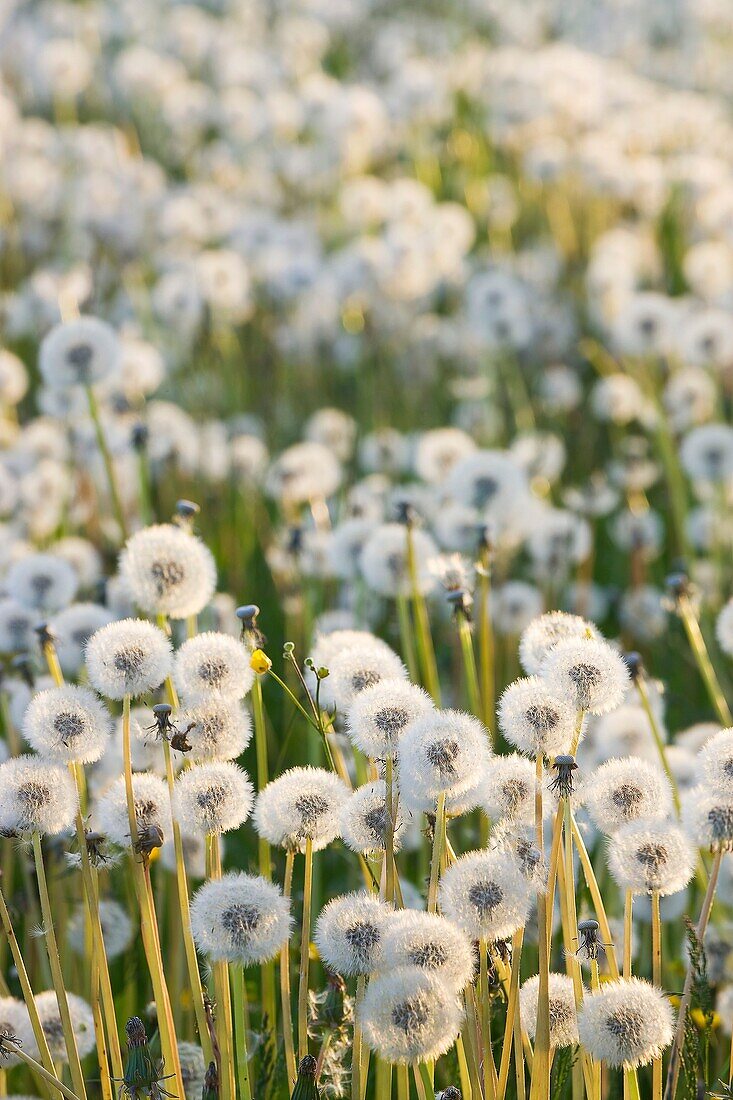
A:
[366,598]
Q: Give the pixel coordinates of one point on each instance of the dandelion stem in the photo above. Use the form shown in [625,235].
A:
[225,1023]
[438,834]
[305,952]
[267,970]
[43,1073]
[540,1088]
[469,665]
[487,1055]
[657,981]
[424,1076]
[77,1077]
[595,893]
[239,998]
[486,641]
[389,889]
[511,1013]
[425,649]
[109,469]
[406,639]
[287,1011]
[702,657]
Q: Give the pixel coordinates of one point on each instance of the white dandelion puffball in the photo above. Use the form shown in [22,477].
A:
[489,481]
[211,666]
[724,629]
[563,1021]
[384,560]
[350,933]
[707,818]
[301,804]
[79,353]
[218,729]
[168,571]
[507,791]
[442,752]
[486,894]
[545,632]
[646,856]
[212,798]
[304,472]
[240,918]
[625,790]
[117,928]
[534,720]
[363,819]
[588,673]
[17,626]
[152,808]
[67,725]
[36,797]
[14,1021]
[82,1021]
[706,453]
[130,657]
[409,1015]
[430,942]
[42,582]
[715,763]
[72,628]
[355,668]
[514,605]
[193,1069]
[380,713]
[627,1023]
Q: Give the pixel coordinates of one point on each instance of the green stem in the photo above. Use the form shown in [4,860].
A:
[469,666]
[239,995]
[43,1073]
[108,464]
[437,854]
[406,639]
[305,952]
[704,664]
[287,1011]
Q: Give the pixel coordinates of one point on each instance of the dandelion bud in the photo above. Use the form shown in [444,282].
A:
[563,1023]
[626,790]
[152,808]
[305,1086]
[301,804]
[130,657]
[240,918]
[626,1023]
[168,571]
[379,715]
[535,720]
[588,673]
[212,798]
[543,634]
[35,797]
[67,725]
[486,894]
[409,1015]
[79,353]
[350,933]
[430,942]
[646,856]
[451,1093]
[212,666]
[442,752]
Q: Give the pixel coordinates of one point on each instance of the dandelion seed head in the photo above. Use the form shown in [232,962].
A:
[535,720]
[168,571]
[212,666]
[543,634]
[17,626]
[385,565]
[350,933]
[486,894]
[430,942]
[82,1022]
[626,790]
[129,657]
[42,582]
[217,729]
[117,928]
[14,1020]
[363,819]
[79,352]
[302,803]
[240,918]
[715,763]
[152,808]
[588,673]
[378,715]
[626,1023]
[563,1022]
[441,752]
[409,1015]
[36,796]
[212,798]
[508,790]
[71,630]
[707,818]
[651,855]
[67,725]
